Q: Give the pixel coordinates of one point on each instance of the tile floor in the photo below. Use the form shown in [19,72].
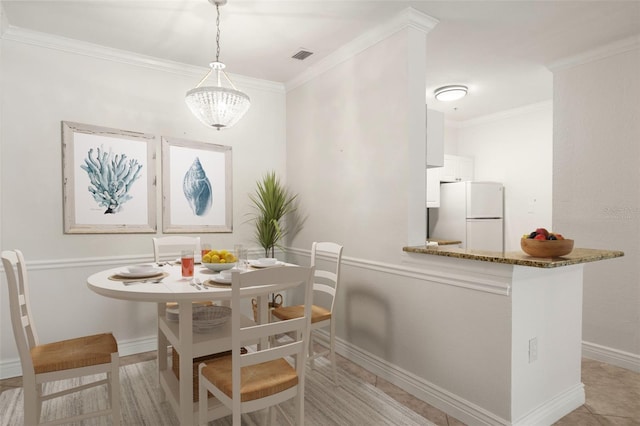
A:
[612,397]
[612,394]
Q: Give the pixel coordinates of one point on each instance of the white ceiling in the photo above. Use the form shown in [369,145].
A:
[500,49]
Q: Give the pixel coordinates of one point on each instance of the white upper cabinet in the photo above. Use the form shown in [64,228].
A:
[435,138]
[457,169]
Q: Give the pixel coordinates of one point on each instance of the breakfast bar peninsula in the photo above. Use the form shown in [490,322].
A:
[517,325]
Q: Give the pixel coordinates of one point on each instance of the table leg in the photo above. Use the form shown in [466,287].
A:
[186,362]
[162,349]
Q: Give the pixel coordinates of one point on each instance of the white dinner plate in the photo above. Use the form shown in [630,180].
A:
[141,268]
[220,279]
[149,273]
[257,264]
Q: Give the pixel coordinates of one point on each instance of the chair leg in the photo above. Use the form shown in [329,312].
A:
[299,402]
[332,352]
[312,362]
[114,387]
[271,416]
[203,402]
[32,403]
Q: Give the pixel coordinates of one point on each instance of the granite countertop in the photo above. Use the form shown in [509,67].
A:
[578,255]
[442,242]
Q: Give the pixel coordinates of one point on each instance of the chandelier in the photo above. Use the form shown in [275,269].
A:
[217,106]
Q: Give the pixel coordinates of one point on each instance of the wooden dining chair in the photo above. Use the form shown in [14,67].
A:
[174,242]
[326,283]
[262,377]
[67,359]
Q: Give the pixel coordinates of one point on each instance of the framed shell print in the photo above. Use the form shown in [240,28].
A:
[197,191]
[109,178]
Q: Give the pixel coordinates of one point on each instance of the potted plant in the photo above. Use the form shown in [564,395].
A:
[272,202]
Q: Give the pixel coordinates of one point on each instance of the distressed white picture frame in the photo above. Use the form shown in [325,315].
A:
[196,186]
[100,194]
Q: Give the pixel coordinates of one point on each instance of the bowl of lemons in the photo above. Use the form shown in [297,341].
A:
[219,260]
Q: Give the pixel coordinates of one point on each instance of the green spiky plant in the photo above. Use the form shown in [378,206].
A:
[272,202]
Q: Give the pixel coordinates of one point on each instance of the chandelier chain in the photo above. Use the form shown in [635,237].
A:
[218,33]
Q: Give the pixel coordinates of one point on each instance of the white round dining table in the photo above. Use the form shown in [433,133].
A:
[171,288]
[174,288]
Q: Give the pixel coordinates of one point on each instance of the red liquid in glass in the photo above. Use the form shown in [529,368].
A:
[187,266]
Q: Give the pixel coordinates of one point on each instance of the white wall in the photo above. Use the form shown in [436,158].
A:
[348,152]
[451,137]
[347,159]
[515,147]
[41,87]
[596,197]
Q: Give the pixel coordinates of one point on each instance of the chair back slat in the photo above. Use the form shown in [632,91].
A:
[253,333]
[23,328]
[253,358]
[174,242]
[330,276]
[325,289]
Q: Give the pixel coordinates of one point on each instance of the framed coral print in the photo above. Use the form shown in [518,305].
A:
[108,179]
[196,187]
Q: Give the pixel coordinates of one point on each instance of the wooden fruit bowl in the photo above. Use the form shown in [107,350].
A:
[546,248]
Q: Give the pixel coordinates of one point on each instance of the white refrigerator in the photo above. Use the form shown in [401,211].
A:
[472,212]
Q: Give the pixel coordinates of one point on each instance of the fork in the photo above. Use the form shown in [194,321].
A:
[153,281]
[196,283]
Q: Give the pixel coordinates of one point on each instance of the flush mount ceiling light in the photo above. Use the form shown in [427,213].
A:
[217,106]
[450,93]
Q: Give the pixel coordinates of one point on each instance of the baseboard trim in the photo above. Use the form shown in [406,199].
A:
[10,369]
[555,409]
[611,356]
[458,407]
[137,346]
[448,402]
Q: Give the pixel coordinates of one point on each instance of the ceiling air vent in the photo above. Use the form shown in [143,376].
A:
[302,55]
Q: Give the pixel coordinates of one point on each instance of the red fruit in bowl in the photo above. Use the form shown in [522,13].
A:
[543,232]
[540,237]
[559,237]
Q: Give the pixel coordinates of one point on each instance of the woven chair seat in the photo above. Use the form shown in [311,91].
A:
[258,381]
[74,353]
[318,313]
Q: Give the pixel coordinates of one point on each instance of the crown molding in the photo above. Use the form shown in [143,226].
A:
[502,115]
[615,48]
[54,42]
[407,18]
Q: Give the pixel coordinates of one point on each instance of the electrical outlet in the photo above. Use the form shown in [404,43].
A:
[533,349]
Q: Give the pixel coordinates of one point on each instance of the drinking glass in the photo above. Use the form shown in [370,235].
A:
[241,255]
[205,248]
[187,262]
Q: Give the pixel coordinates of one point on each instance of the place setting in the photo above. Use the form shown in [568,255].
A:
[220,279]
[265,262]
[145,273]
